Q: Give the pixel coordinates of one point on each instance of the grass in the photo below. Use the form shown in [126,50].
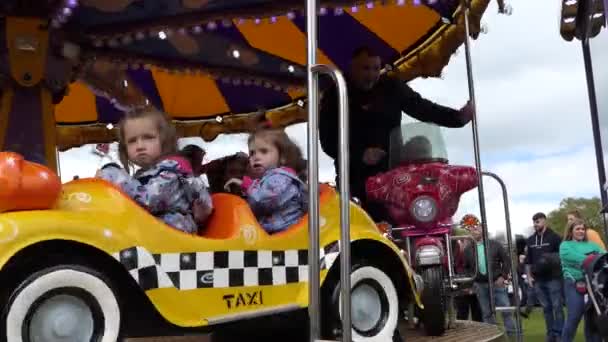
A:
[534,328]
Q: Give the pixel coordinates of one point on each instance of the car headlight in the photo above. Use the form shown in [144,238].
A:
[428,255]
[424,209]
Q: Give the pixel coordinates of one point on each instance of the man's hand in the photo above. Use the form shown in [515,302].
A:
[466,112]
[500,282]
[373,155]
[530,280]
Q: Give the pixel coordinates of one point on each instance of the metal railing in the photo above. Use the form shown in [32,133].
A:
[482,204]
[313,184]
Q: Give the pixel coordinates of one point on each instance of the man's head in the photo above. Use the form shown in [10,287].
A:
[365,68]
[417,148]
[476,232]
[540,222]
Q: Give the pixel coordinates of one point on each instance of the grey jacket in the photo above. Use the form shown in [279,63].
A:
[498,260]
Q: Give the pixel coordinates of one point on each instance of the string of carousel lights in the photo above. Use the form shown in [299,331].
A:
[69,6]
[213,25]
[163,34]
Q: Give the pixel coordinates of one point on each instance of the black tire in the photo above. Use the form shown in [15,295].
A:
[377,283]
[42,303]
[433,300]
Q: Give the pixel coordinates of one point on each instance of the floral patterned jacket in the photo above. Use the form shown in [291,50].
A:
[167,190]
[278,199]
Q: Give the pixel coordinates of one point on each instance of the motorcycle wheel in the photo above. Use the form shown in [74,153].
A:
[433,299]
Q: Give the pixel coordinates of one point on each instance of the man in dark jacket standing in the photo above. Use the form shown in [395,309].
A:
[500,264]
[545,274]
[376,104]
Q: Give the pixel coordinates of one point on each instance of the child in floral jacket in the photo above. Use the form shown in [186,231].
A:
[164,184]
[275,193]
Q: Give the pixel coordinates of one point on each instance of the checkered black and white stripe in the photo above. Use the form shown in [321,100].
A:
[221,269]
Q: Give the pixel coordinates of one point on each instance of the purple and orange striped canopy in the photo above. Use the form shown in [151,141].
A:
[214,66]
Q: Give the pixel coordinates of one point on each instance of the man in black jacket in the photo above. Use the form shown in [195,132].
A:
[376,106]
[500,264]
[545,274]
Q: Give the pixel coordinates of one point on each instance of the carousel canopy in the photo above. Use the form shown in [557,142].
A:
[217,66]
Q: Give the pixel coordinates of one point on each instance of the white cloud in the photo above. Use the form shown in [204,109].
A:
[533,186]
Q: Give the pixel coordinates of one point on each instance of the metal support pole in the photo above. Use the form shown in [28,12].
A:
[345,265]
[512,256]
[482,202]
[595,124]
[314,302]
[314,70]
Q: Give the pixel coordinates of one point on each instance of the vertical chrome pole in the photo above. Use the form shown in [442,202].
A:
[314,303]
[482,202]
[345,266]
[512,256]
[595,124]
[344,196]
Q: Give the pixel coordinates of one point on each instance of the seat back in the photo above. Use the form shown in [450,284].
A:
[230,213]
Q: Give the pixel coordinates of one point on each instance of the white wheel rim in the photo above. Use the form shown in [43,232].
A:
[62,318]
[366,307]
[55,280]
[390,317]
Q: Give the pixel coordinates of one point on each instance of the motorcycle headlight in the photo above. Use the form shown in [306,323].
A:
[424,209]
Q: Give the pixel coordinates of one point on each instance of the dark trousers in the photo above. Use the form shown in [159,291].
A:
[575,308]
[468,304]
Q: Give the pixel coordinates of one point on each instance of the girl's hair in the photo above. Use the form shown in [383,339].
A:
[289,153]
[575,223]
[168,136]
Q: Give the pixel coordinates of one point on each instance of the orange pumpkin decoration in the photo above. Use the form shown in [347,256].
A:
[26,185]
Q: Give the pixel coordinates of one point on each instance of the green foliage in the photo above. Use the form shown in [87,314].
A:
[589,208]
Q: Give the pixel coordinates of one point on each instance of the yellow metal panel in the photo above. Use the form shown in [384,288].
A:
[120,224]
[79,106]
[399,26]
[189,96]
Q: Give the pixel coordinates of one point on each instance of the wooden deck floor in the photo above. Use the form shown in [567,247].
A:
[464,332]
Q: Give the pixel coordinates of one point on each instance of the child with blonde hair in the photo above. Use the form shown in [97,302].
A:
[164,184]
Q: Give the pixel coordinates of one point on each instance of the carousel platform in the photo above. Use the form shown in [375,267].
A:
[464,331]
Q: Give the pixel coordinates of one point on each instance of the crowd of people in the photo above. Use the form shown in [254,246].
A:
[550,273]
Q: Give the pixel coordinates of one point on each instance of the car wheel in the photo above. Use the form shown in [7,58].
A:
[374,306]
[63,303]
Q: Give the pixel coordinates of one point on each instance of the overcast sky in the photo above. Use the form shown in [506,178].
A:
[533,110]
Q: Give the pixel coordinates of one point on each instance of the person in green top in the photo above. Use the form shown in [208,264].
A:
[572,253]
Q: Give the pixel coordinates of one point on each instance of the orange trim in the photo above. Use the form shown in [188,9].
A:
[27,44]
[189,96]
[26,185]
[263,36]
[79,106]
[6,103]
[416,21]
